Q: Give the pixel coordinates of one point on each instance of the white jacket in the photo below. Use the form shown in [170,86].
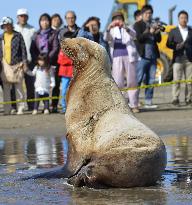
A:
[44,80]
[27,32]
[127,39]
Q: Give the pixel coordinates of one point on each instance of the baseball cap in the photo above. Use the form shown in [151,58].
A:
[117,13]
[22,12]
[6,20]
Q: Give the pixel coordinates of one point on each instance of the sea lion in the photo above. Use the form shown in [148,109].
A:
[108,146]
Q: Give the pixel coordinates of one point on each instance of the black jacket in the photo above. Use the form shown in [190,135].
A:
[53,47]
[18,49]
[65,33]
[175,38]
[143,36]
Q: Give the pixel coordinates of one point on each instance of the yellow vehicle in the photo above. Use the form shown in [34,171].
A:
[128,7]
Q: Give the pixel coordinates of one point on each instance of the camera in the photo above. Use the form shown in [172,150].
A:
[157,24]
[117,24]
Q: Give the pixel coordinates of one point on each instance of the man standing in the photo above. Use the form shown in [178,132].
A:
[27,32]
[148,35]
[180,40]
[137,15]
[71,29]
[68,31]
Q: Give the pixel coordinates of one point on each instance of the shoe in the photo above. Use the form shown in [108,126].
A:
[135,110]
[34,112]
[188,102]
[20,111]
[175,102]
[150,106]
[46,111]
[13,111]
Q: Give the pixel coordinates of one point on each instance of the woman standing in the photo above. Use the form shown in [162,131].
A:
[45,41]
[56,23]
[12,54]
[90,30]
[124,56]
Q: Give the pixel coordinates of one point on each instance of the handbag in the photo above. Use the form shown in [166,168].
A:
[11,73]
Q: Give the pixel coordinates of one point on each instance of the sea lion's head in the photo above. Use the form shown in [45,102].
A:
[82,52]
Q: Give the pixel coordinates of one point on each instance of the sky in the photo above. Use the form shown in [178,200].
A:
[85,9]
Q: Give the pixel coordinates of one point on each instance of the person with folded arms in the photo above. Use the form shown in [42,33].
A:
[180,41]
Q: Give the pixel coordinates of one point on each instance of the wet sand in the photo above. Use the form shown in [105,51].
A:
[33,144]
[164,121]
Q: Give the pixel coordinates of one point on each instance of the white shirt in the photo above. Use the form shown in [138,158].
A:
[27,32]
[184,32]
[44,80]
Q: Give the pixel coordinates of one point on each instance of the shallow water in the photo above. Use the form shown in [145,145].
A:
[21,157]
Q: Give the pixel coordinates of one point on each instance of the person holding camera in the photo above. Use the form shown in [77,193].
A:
[147,36]
[124,56]
[180,40]
[90,30]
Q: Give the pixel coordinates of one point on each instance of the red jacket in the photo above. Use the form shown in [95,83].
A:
[66,65]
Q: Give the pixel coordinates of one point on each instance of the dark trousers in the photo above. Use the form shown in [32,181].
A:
[46,102]
[13,97]
[29,83]
[56,89]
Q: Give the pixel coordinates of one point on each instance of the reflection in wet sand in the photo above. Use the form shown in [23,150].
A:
[40,152]
[24,156]
[179,151]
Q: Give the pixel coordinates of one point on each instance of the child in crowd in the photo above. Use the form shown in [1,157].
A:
[66,73]
[44,80]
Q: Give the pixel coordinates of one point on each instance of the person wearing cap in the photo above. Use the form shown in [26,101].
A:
[146,41]
[12,52]
[124,56]
[27,32]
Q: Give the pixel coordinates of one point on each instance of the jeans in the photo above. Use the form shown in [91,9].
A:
[46,102]
[64,83]
[147,68]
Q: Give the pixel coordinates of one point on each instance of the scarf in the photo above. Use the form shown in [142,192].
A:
[43,41]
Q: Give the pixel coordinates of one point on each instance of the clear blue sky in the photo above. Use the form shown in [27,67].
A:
[84,8]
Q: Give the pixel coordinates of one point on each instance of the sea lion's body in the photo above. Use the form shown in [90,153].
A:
[108,146]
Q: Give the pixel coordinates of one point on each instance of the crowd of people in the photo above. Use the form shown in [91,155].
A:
[36,57]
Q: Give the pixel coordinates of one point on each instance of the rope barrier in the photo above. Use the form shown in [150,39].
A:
[122,89]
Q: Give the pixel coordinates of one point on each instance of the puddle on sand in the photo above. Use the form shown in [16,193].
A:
[27,156]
